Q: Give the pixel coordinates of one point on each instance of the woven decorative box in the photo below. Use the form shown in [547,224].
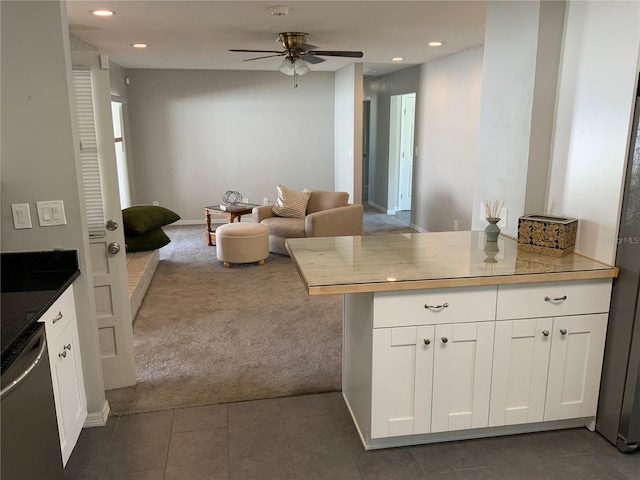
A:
[547,234]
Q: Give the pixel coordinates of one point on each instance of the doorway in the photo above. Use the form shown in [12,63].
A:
[401,135]
[366,132]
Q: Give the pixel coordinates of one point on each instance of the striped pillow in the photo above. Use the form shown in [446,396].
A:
[290,203]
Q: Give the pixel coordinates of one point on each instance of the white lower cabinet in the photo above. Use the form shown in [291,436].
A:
[431,378]
[458,373]
[402,381]
[66,371]
[546,369]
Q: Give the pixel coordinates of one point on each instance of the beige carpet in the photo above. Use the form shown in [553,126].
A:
[207,334]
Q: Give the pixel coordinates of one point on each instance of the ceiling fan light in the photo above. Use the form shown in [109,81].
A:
[287,67]
[300,67]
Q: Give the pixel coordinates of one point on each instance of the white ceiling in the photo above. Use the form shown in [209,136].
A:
[188,34]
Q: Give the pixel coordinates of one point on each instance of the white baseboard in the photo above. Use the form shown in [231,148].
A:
[196,222]
[420,229]
[377,207]
[214,221]
[98,419]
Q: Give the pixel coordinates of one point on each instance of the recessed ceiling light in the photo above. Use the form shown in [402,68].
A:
[139,45]
[436,44]
[103,13]
[397,59]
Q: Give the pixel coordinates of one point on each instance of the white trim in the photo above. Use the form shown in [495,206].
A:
[98,419]
[420,229]
[214,221]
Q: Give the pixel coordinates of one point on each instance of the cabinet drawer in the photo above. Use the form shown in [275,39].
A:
[434,306]
[58,316]
[553,299]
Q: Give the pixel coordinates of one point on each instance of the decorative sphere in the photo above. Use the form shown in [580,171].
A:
[231,197]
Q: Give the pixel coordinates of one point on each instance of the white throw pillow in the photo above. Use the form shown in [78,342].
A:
[290,203]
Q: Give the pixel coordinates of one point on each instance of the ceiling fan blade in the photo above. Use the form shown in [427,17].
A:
[266,56]
[256,51]
[303,47]
[312,58]
[335,53]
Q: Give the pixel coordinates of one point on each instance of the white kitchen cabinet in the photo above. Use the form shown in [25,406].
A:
[433,378]
[461,376]
[447,375]
[547,369]
[66,370]
[402,379]
[520,366]
[575,366]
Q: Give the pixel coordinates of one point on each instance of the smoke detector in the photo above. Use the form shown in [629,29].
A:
[279,10]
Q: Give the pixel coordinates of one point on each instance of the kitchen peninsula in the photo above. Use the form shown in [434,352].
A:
[447,337]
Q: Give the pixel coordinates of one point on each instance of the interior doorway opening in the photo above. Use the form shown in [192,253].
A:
[401,153]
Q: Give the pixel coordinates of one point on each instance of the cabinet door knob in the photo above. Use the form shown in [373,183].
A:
[445,339]
[563,331]
[555,300]
[67,347]
[58,317]
[63,354]
[113,247]
[545,333]
[436,307]
[427,341]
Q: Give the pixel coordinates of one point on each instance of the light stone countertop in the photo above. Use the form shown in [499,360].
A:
[375,263]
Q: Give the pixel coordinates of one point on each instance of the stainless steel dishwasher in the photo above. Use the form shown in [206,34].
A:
[30,442]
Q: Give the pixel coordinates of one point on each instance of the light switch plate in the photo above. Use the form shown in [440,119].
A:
[51,213]
[21,216]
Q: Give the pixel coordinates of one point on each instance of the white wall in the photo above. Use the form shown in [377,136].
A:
[38,154]
[599,73]
[516,63]
[198,133]
[447,118]
[348,131]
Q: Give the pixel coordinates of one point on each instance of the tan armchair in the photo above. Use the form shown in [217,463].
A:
[328,215]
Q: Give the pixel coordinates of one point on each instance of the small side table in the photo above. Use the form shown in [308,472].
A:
[230,211]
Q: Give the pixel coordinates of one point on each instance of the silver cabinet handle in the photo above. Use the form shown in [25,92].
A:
[113,247]
[445,339]
[63,354]
[558,299]
[563,331]
[427,341]
[436,307]
[58,317]
[545,333]
[111,225]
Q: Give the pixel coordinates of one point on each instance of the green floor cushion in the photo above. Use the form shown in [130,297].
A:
[150,240]
[140,219]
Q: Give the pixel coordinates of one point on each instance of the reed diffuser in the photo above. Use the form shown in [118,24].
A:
[492,210]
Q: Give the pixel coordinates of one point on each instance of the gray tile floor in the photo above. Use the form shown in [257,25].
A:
[312,437]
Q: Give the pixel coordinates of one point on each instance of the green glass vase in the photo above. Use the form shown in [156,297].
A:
[493,230]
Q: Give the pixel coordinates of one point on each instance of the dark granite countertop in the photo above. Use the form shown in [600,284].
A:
[31,282]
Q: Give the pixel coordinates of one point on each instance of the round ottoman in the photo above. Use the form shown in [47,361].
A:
[242,243]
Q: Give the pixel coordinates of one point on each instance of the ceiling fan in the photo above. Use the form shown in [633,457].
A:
[298,53]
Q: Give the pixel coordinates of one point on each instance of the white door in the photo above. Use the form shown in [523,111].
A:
[461,376]
[520,364]
[401,383]
[405,176]
[577,347]
[109,267]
